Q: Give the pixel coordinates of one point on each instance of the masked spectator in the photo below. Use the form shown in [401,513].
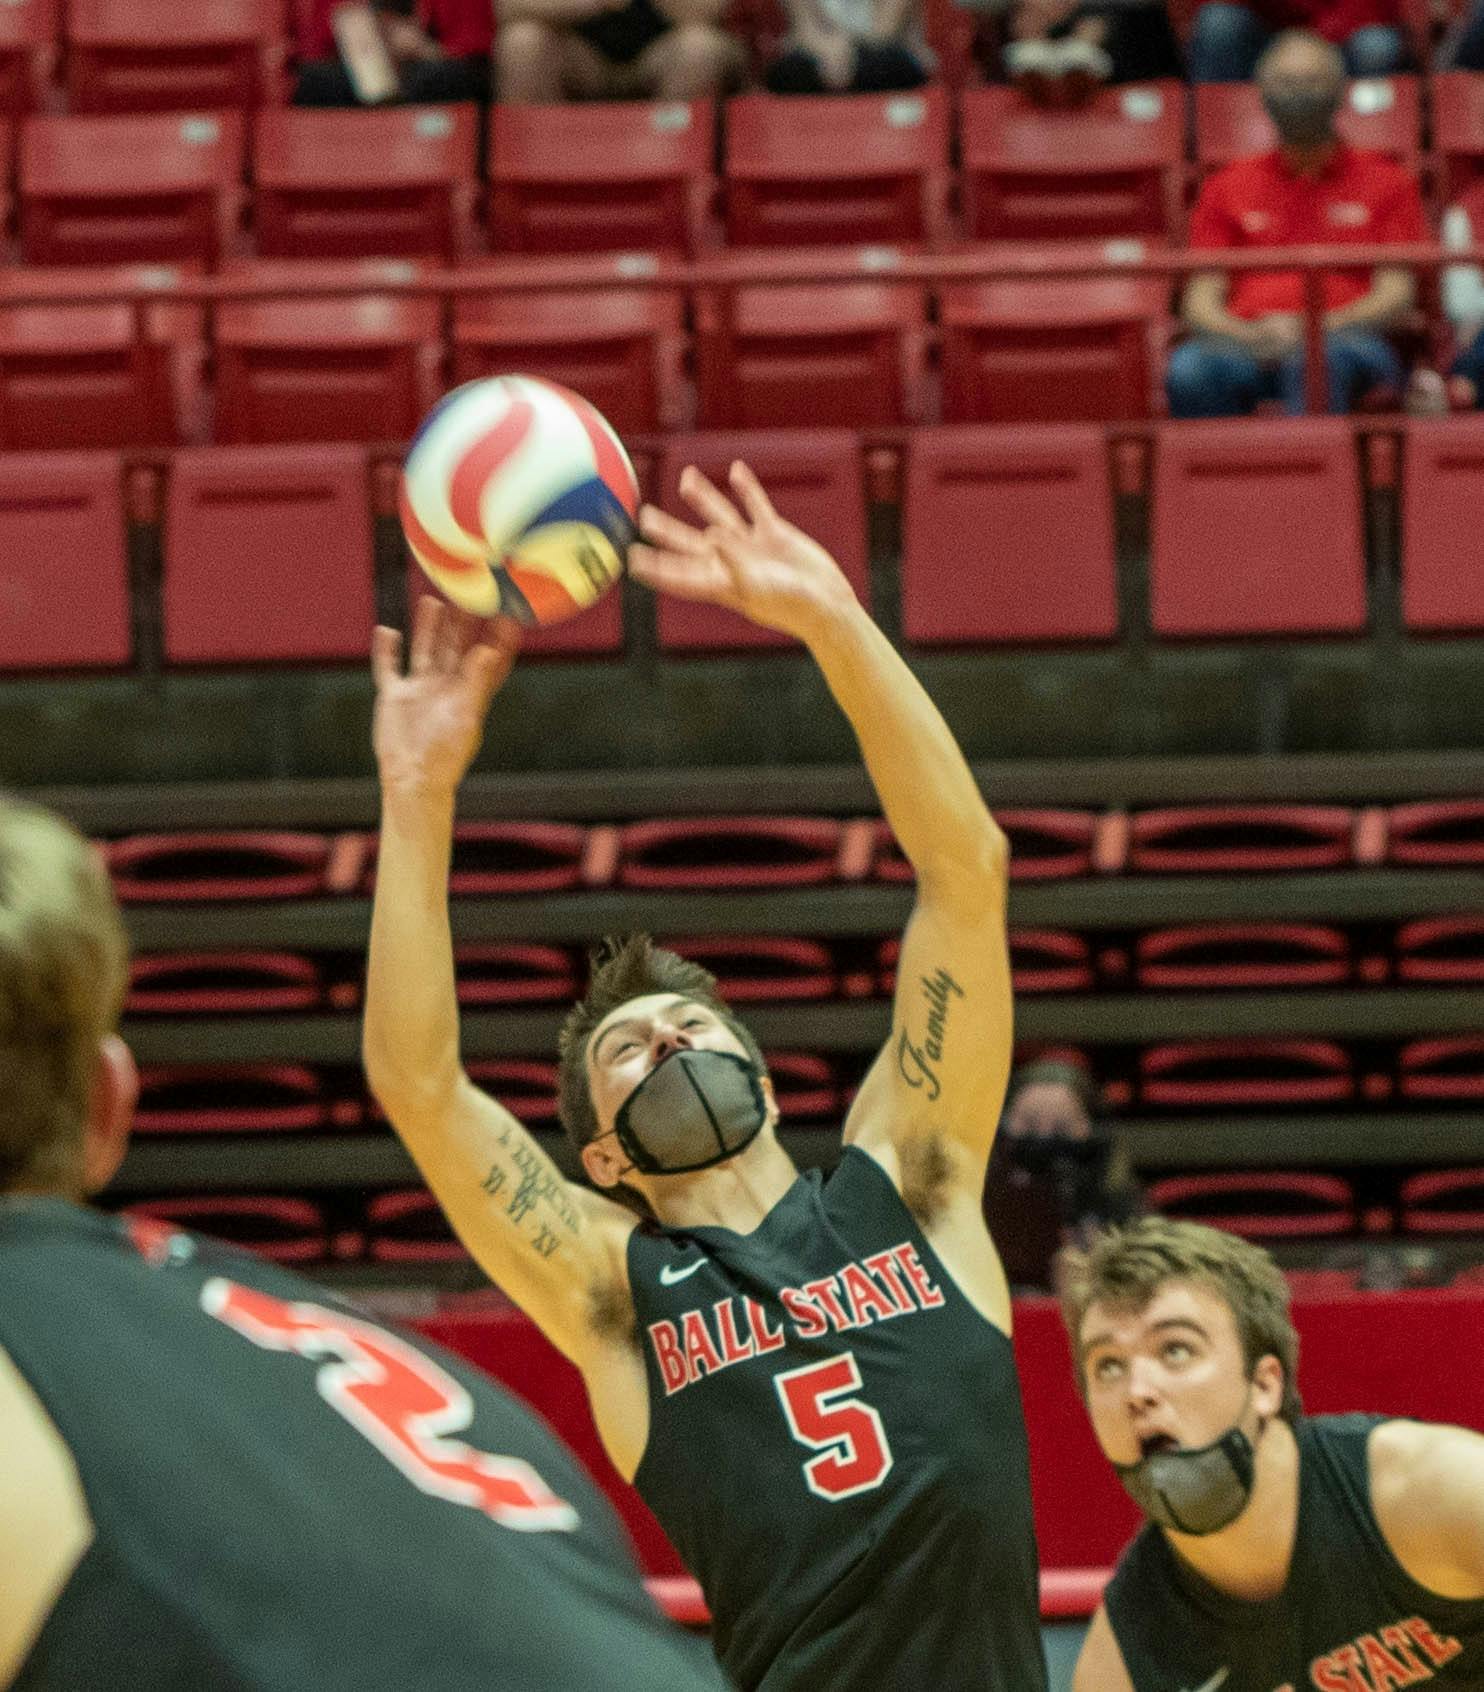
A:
[1227,39]
[851,47]
[1247,331]
[553,50]
[439,52]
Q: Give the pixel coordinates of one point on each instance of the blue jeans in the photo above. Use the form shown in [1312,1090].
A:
[1227,40]
[1470,363]
[1210,376]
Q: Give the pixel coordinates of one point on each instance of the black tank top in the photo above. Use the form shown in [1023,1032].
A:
[836,1448]
[287,1496]
[1349,1620]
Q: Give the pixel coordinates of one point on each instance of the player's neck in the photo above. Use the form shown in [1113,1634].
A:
[736,1194]
[1250,1559]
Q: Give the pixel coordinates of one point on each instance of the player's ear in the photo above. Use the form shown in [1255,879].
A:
[772,1098]
[115,1092]
[1267,1387]
[602,1162]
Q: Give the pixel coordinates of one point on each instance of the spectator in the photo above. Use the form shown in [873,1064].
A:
[1247,332]
[1463,304]
[851,47]
[1061,51]
[552,50]
[1228,38]
[439,52]
[1058,1173]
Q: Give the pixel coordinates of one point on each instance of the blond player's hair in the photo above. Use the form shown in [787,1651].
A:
[1125,1267]
[63,970]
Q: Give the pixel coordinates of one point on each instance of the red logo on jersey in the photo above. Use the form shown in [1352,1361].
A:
[1405,1653]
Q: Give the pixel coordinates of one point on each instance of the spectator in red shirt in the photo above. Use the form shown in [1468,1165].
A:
[441,50]
[550,50]
[1247,330]
[1227,38]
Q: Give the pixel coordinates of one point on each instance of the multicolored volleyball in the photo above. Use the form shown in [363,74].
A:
[518,499]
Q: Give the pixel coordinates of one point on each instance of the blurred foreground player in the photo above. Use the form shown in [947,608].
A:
[810,1381]
[214,1476]
[1282,1552]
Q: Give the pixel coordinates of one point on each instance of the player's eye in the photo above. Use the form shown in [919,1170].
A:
[1178,1351]
[1107,1369]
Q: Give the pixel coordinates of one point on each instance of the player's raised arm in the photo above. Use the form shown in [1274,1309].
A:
[547,1243]
[937,1086]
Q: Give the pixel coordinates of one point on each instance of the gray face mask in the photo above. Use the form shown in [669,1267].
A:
[693,1109]
[1303,117]
[1196,1492]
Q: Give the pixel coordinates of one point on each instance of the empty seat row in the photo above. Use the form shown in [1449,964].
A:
[1273,1205]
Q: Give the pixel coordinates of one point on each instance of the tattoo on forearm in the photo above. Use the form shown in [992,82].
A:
[539,1198]
[919,1063]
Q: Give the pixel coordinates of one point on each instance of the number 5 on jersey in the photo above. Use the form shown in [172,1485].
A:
[847,1432]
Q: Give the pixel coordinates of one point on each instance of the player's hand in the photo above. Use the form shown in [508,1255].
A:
[749,560]
[429,722]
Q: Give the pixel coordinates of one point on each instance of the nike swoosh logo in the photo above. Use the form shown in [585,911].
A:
[669,1275]
[1217,1679]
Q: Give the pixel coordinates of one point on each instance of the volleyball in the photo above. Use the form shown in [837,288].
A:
[518,500]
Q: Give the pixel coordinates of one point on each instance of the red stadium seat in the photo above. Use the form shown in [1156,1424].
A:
[64,568]
[30,31]
[287,1230]
[1050,349]
[514,972]
[1441,949]
[1443,1070]
[620,347]
[844,354]
[131,189]
[1442,487]
[1038,501]
[398,181]
[1237,839]
[161,56]
[805,1088]
[511,857]
[527,1087]
[1242,954]
[223,983]
[1044,845]
[1111,168]
[1445,831]
[1257,531]
[80,374]
[752,968]
[1383,115]
[147,868]
[1260,1204]
[1443,1201]
[604,177]
[296,522]
[326,367]
[225,1098]
[720,852]
[409,1227]
[1047,960]
[1458,128]
[814,478]
[801,170]
[1201,1074]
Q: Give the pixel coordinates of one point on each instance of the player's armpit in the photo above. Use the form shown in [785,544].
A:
[555,1248]
[1100,1666]
[44,1523]
[1427,1489]
[938,1083]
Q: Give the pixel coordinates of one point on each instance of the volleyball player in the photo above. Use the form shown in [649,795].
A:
[810,1381]
[215,1477]
[1281,1552]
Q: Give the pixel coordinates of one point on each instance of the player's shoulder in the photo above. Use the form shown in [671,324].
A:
[1416,1460]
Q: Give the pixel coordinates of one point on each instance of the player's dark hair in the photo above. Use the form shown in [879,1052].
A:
[626,967]
[1125,1267]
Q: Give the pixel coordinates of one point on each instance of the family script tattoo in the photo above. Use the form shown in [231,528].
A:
[919,1064]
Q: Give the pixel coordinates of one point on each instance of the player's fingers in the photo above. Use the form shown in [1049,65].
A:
[457,631]
[386,655]
[669,533]
[750,491]
[427,621]
[707,500]
[486,667]
[684,576]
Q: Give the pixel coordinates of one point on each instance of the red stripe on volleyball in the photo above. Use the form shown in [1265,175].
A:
[423,544]
[548,599]
[481,460]
[613,468]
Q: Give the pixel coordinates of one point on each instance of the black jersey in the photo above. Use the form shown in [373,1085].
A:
[836,1448]
[287,1496]
[1350,1618]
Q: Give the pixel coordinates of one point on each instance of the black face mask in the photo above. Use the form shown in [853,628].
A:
[1041,1154]
[693,1109]
[1303,117]
[1195,1492]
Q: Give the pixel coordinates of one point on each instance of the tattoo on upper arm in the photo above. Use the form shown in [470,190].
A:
[919,1063]
[533,1193]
